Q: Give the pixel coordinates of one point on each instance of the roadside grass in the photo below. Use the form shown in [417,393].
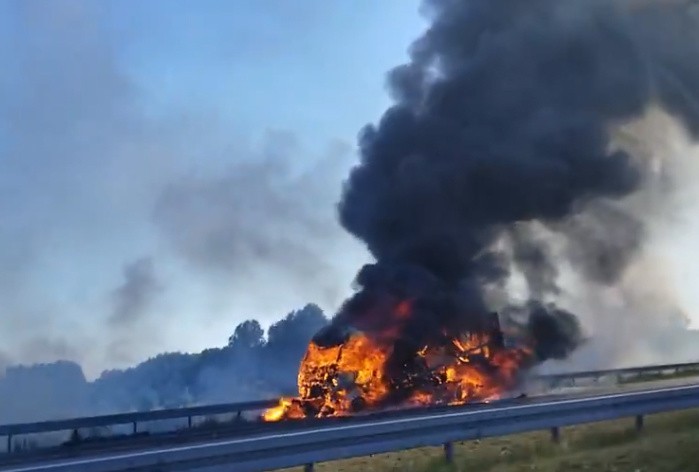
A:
[660,376]
[668,443]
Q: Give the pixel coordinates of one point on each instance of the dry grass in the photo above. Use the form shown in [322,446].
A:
[669,443]
[682,374]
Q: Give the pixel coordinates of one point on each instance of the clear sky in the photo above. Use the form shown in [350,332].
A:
[169,168]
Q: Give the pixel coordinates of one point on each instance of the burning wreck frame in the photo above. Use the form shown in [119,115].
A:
[353,371]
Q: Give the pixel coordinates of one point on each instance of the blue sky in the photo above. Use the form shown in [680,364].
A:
[275,64]
[107,107]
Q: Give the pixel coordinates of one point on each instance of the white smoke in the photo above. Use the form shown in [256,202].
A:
[644,318]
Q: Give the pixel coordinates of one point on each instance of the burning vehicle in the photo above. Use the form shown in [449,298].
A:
[366,361]
[347,371]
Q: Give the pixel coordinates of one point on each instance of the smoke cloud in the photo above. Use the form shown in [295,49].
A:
[648,302]
[56,390]
[134,321]
[80,160]
[259,222]
[498,158]
[4,362]
[133,298]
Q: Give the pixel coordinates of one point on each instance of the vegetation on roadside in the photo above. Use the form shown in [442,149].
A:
[668,443]
[659,376]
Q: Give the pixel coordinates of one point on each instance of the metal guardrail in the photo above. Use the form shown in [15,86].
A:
[12,430]
[340,441]
[619,372]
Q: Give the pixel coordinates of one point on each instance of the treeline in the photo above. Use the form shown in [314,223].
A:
[253,365]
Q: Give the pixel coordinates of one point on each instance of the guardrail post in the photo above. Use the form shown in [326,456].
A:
[449,452]
[135,427]
[555,435]
[9,443]
[239,416]
[639,423]
[189,421]
[308,468]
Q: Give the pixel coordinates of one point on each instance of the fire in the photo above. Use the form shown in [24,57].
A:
[333,380]
[278,412]
[370,370]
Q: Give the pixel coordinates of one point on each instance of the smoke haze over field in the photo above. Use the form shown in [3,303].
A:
[260,222]
[249,367]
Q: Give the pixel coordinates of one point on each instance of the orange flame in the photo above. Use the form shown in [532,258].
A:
[353,376]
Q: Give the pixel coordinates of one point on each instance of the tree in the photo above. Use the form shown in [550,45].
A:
[247,335]
[289,337]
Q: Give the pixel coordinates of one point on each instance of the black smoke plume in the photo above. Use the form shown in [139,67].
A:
[504,117]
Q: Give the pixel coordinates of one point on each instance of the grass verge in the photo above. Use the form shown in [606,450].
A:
[651,377]
[668,443]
